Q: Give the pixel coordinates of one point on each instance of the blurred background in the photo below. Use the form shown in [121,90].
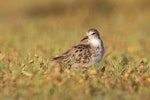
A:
[43,26]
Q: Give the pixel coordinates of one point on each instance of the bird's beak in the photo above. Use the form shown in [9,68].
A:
[84,38]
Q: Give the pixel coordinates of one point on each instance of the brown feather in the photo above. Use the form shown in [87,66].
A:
[75,54]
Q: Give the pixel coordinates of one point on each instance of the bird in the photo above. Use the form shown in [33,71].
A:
[84,54]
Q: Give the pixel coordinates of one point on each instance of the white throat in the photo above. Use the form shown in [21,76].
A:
[95,42]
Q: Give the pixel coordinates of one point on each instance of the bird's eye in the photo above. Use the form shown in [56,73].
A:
[93,33]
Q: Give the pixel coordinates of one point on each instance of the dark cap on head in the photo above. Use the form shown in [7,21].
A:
[94,30]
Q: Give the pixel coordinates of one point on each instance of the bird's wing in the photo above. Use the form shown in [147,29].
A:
[77,54]
[60,58]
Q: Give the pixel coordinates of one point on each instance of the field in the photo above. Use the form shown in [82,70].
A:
[32,32]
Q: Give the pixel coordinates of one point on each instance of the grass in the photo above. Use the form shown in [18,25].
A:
[28,39]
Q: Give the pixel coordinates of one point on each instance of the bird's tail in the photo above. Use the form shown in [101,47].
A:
[57,59]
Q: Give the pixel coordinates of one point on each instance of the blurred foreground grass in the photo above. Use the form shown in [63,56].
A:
[33,32]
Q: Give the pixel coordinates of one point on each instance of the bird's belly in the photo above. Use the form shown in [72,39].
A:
[99,57]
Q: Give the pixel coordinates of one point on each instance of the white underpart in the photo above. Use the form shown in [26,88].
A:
[95,42]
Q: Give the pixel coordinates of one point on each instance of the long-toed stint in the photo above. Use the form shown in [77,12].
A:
[84,54]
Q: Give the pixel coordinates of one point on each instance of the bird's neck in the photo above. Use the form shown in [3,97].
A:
[95,42]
